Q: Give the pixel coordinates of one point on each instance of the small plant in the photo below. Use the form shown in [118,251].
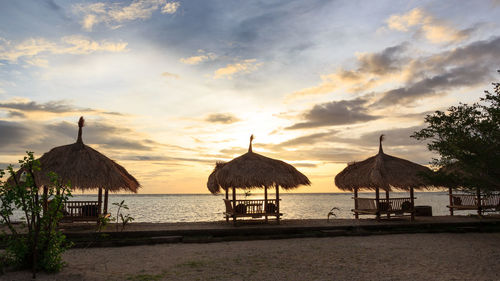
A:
[331,213]
[41,247]
[125,219]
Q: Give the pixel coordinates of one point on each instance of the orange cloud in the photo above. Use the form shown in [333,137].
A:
[245,66]
[433,29]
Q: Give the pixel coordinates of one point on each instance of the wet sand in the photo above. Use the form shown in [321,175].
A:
[444,256]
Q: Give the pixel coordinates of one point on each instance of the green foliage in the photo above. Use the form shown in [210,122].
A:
[125,219]
[467,138]
[41,247]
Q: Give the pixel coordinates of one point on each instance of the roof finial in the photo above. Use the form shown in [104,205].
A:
[81,123]
[250,146]
[380,150]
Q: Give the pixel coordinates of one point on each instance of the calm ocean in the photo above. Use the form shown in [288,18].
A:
[208,207]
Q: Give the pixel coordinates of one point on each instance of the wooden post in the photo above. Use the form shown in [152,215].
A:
[387,200]
[265,201]
[450,192]
[412,201]
[479,208]
[99,201]
[234,205]
[356,215]
[227,198]
[105,211]
[377,199]
[278,203]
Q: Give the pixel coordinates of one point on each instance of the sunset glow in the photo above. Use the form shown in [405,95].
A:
[168,88]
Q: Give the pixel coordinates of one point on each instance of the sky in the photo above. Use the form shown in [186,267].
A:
[168,88]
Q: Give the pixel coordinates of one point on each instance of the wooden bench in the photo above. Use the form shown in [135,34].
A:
[391,206]
[250,208]
[81,211]
[460,202]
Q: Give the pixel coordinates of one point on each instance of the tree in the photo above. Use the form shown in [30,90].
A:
[467,139]
[38,245]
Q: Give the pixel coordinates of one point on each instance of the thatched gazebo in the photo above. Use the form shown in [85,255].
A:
[384,172]
[252,170]
[85,169]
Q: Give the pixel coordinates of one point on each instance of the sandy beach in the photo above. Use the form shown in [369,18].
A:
[445,256]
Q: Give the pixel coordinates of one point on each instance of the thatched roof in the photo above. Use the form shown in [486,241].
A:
[252,170]
[84,167]
[384,172]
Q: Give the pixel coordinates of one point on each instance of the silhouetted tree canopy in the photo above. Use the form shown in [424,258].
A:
[467,138]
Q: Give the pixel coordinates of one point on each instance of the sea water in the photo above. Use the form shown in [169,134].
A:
[208,207]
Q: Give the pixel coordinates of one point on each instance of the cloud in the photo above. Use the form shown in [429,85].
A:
[467,66]
[51,106]
[330,146]
[224,118]
[336,113]
[371,71]
[170,75]
[12,133]
[433,29]
[170,7]
[244,66]
[114,14]
[403,80]
[387,61]
[439,84]
[23,107]
[307,139]
[163,158]
[19,136]
[199,58]
[29,49]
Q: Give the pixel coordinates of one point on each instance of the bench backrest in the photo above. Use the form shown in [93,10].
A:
[229,206]
[366,204]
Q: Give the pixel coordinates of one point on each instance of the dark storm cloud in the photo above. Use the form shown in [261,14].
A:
[224,118]
[335,113]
